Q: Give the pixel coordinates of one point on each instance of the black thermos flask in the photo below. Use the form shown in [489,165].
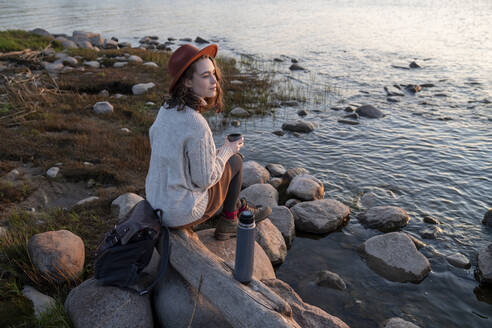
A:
[245,247]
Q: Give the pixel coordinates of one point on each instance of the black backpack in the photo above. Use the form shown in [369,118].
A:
[127,249]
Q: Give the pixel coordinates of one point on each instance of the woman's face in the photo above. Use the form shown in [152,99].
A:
[204,82]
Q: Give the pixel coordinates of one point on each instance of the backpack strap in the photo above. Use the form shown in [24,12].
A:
[165,249]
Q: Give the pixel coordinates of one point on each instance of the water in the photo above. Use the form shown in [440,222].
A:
[429,159]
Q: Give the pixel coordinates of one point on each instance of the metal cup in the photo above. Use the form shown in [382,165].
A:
[234,137]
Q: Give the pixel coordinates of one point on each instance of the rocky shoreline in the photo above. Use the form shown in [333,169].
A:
[296,197]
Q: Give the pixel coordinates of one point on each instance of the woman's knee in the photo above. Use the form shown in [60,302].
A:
[236,162]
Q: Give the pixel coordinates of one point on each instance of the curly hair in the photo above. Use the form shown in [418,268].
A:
[182,96]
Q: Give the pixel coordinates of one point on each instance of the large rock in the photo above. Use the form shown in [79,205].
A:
[135,59]
[299,126]
[226,249]
[384,218]
[110,44]
[261,194]
[306,315]
[487,218]
[330,279]
[254,173]
[90,305]
[276,170]
[485,265]
[41,32]
[283,219]
[58,254]
[320,216]
[395,257]
[272,241]
[291,173]
[66,43]
[142,88]
[306,187]
[40,301]
[399,323]
[239,112]
[103,107]
[85,44]
[124,203]
[369,111]
[94,38]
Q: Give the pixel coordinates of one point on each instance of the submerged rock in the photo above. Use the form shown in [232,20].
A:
[430,233]
[330,279]
[431,220]
[384,218]
[299,126]
[369,111]
[395,257]
[201,40]
[485,265]
[295,67]
[458,260]
[413,64]
[399,323]
[239,112]
[320,216]
[487,218]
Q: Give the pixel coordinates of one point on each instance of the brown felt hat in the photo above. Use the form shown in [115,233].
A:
[184,56]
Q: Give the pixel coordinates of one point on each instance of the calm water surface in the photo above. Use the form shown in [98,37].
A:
[429,159]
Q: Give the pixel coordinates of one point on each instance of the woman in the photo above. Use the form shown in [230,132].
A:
[188,178]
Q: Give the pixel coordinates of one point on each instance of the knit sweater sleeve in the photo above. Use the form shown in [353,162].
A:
[205,163]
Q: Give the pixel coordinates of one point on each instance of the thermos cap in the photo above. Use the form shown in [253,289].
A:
[246,217]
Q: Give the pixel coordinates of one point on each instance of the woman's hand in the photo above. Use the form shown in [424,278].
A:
[235,145]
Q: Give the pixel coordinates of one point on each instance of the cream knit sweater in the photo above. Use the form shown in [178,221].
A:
[184,164]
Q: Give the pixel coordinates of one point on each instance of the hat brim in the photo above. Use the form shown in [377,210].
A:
[210,50]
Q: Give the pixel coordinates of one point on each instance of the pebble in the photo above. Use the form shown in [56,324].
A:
[104,93]
[125,130]
[53,172]
[135,59]
[119,64]
[93,64]
[351,122]
[102,107]
[151,64]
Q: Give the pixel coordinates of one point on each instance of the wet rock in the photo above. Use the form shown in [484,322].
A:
[239,112]
[349,109]
[103,107]
[295,67]
[114,38]
[431,220]
[104,93]
[399,323]
[417,242]
[458,260]
[94,38]
[53,172]
[90,304]
[278,60]
[292,202]
[272,241]
[67,44]
[430,233]
[336,108]
[135,59]
[110,44]
[124,204]
[185,39]
[384,218]
[291,173]
[487,218]
[41,32]
[330,279]
[298,126]
[119,64]
[369,111]
[427,85]
[58,254]
[413,88]
[289,103]
[276,182]
[41,302]
[201,40]
[278,133]
[354,116]
[395,257]
[485,265]
[302,112]
[320,216]
[413,64]
[261,194]
[151,64]
[442,95]
[399,67]
[293,60]
[87,200]
[92,63]
[306,187]
[253,173]
[306,315]
[283,219]
[276,170]
[392,100]
[391,91]
[142,88]
[350,122]
[226,249]
[124,45]
[235,123]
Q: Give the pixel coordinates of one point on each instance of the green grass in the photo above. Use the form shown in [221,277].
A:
[15,40]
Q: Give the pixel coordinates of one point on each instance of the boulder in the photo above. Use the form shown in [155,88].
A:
[254,173]
[89,305]
[103,107]
[384,218]
[58,254]
[226,249]
[296,67]
[399,323]
[239,112]
[142,88]
[66,43]
[299,126]
[201,40]
[53,172]
[85,44]
[272,241]
[306,315]
[283,219]
[92,63]
[110,44]
[40,301]
[320,216]
[135,59]
[151,64]
[306,187]
[276,170]
[395,257]
[124,45]
[289,103]
[302,112]
[291,173]
[458,260]
[485,265]
[276,182]
[369,111]
[330,279]
[292,202]
[42,32]
[124,204]
[261,194]
[413,64]
[487,218]
[53,67]
[70,61]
